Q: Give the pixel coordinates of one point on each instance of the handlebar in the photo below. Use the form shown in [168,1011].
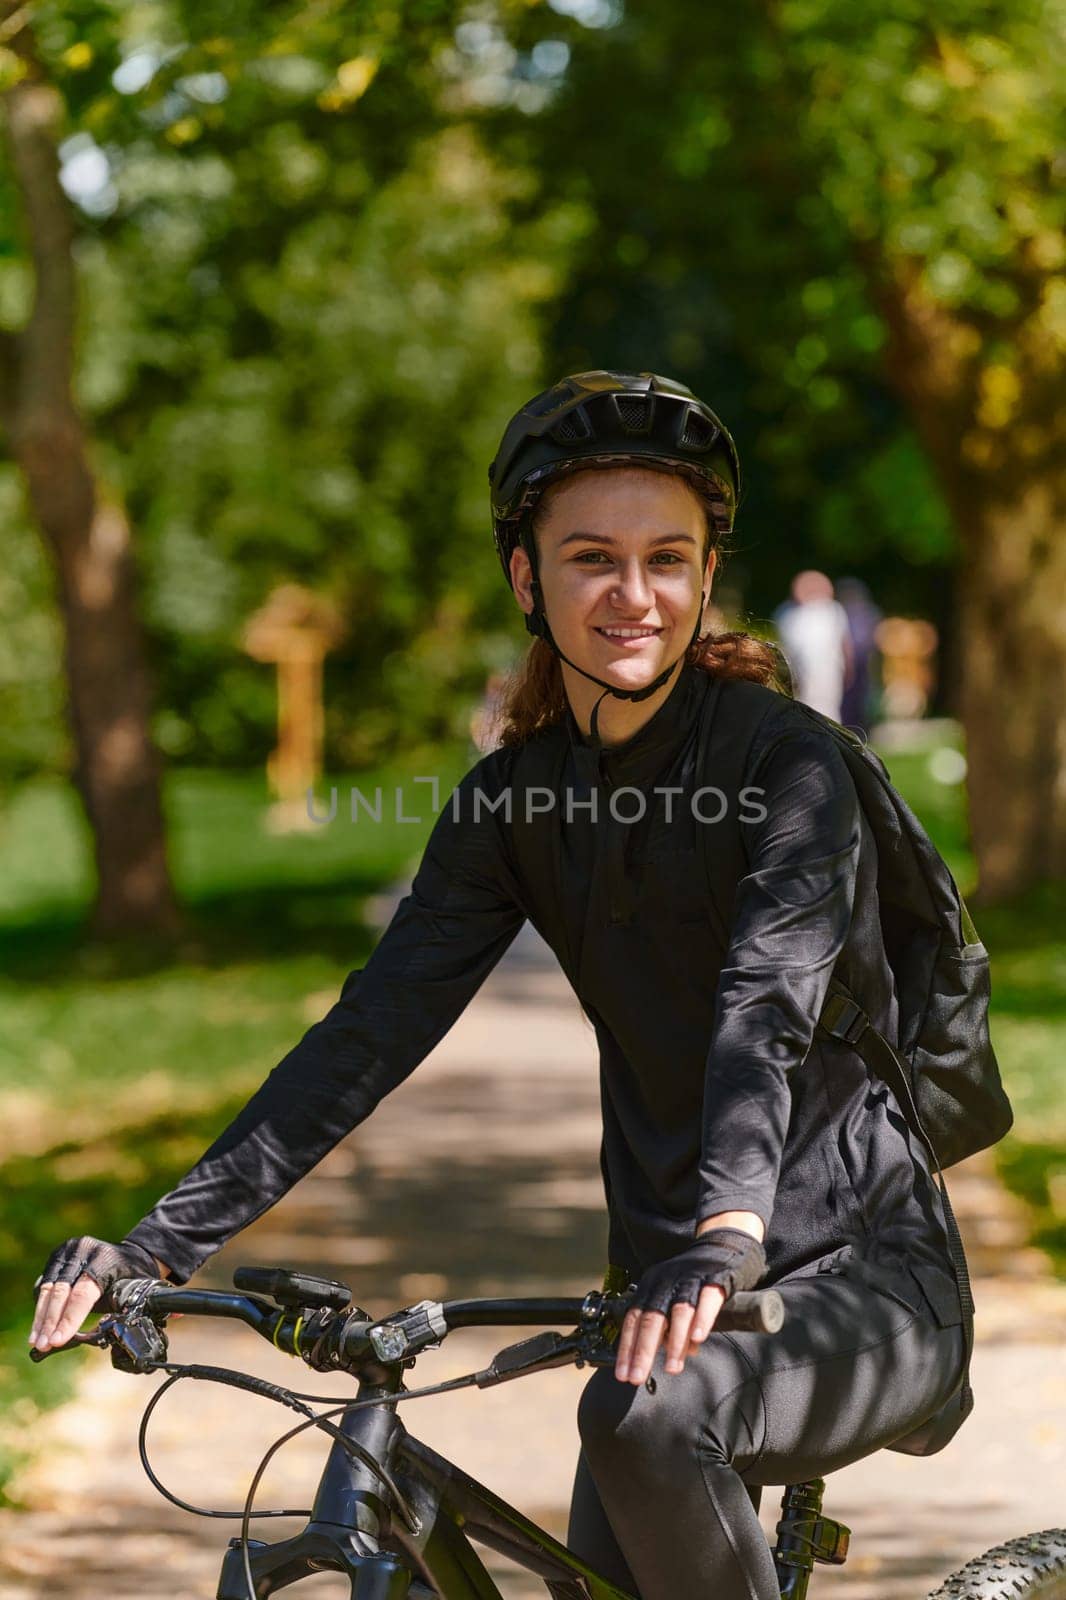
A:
[313,1319]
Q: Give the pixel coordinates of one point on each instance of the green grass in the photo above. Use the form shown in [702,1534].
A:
[274,921]
[1028,945]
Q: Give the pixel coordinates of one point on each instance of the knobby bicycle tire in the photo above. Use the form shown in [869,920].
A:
[1030,1567]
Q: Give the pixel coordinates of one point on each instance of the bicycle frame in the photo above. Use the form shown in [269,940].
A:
[353,1529]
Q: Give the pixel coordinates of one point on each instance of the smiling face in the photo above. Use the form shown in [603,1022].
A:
[621,568]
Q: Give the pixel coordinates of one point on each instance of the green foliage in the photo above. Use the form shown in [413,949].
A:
[343,451]
[752,199]
[306,307]
[935,130]
[893,497]
[324,251]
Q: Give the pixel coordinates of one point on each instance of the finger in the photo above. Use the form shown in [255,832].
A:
[650,1336]
[82,1298]
[626,1340]
[677,1339]
[54,1313]
[50,1307]
[711,1302]
[44,1294]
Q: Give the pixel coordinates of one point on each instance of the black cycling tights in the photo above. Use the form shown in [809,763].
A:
[667,1492]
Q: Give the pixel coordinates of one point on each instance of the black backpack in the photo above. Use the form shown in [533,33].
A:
[943,1073]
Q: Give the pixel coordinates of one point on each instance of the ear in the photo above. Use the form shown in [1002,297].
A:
[708,575]
[522,578]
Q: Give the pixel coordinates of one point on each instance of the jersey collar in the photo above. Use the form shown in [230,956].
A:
[648,750]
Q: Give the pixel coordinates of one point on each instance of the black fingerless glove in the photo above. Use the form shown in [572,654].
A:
[724,1257]
[106,1264]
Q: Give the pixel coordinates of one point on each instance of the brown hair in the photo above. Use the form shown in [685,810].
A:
[534,696]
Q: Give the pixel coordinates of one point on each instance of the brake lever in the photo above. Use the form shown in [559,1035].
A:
[137,1344]
[96,1337]
[538,1354]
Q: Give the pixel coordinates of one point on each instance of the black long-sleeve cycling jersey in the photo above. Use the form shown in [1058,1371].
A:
[716,1094]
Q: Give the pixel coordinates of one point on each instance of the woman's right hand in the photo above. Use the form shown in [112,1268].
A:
[75,1277]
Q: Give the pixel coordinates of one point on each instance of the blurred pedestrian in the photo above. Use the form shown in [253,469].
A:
[814,633]
[863,617]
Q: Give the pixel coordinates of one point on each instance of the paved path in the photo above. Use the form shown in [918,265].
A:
[480,1176]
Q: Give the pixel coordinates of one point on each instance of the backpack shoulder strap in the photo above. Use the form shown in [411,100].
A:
[732,712]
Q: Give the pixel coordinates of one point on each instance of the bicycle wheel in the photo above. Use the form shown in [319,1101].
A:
[1031,1567]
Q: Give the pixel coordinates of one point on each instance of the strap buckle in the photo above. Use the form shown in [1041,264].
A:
[843,1018]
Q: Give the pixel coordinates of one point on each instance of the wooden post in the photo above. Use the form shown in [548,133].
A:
[908,665]
[293,630]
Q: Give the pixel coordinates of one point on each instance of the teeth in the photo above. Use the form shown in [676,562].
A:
[629,633]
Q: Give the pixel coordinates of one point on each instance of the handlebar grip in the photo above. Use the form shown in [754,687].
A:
[752,1311]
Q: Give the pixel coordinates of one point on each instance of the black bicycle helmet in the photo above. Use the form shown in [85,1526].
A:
[609,418]
[604,419]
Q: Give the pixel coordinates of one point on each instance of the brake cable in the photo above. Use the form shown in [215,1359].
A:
[414,1523]
[297,1401]
[158,1484]
[294,1400]
[282,1396]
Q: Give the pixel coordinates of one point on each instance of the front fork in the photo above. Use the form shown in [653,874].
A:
[346,1520]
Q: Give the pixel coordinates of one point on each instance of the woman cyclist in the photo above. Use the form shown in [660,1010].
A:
[738,1147]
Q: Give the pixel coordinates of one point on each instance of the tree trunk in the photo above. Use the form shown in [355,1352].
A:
[1013,594]
[116,769]
[1003,476]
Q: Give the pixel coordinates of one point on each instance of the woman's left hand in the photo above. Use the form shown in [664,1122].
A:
[644,1331]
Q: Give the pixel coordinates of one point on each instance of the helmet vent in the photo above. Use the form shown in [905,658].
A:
[634,412]
[570,428]
[698,433]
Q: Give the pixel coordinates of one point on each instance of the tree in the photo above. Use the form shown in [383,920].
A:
[263,397]
[117,770]
[845,213]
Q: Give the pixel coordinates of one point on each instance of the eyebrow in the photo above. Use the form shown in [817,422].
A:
[604,538]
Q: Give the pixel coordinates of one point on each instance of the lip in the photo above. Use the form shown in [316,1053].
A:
[629,644]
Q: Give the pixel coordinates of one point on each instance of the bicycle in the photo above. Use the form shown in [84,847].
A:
[400,1520]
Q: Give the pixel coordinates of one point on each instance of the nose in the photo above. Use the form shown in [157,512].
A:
[632,591]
